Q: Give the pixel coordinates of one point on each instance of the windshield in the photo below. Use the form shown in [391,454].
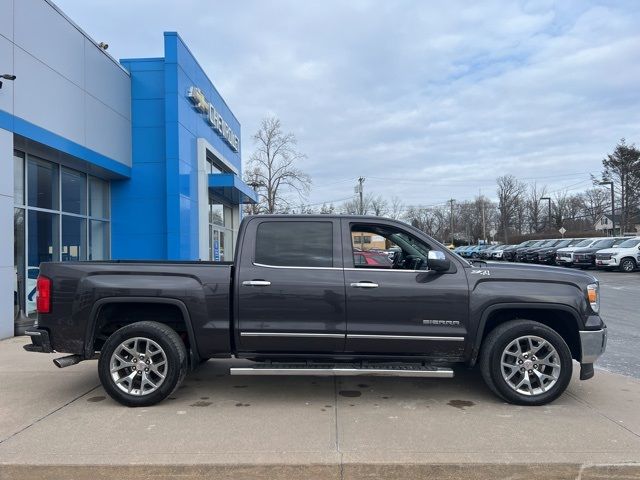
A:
[604,243]
[585,243]
[632,242]
[563,243]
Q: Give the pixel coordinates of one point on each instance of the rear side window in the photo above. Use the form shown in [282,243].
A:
[295,244]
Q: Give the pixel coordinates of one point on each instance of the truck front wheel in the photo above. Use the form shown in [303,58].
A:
[142,363]
[526,363]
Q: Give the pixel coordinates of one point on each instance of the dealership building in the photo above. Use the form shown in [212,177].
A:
[104,159]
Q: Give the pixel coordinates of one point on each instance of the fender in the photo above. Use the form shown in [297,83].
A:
[95,311]
[508,306]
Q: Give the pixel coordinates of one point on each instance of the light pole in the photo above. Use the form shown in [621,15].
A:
[549,200]
[451,202]
[613,209]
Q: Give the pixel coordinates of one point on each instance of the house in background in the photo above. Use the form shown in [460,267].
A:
[604,225]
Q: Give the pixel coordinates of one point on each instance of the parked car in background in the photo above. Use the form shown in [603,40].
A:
[463,251]
[509,253]
[530,255]
[520,252]
[564,256]
[625,257]
[476,250]
[498,252]
[488,252]
[547,255]
[586,257]
[372,259]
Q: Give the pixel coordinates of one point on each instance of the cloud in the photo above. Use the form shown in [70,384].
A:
[429,100]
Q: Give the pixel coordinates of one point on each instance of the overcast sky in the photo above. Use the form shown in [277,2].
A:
[427,100]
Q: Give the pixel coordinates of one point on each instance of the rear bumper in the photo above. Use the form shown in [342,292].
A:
[592,344]
[40,341]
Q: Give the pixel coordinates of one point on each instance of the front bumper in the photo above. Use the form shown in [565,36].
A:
[40,341]
[612,262]
[592,344]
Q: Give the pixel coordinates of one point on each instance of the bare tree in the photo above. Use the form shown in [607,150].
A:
[510,192]
[272,169]
[379,206]
[397,207]
[534,195]
[594,202]
[350,207]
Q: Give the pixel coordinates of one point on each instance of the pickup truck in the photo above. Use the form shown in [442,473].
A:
[296,303]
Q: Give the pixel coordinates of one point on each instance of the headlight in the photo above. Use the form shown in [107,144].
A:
[593,295]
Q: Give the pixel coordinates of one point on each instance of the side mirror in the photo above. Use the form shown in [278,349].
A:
[438,261]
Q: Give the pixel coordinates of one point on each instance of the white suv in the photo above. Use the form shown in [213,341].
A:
[564,256]
[625,256]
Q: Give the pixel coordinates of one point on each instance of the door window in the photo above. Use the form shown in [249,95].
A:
[295,244]
[382,247]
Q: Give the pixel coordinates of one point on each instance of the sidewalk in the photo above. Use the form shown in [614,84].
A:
[60,424]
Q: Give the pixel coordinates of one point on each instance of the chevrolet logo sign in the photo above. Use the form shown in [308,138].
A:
[213,117]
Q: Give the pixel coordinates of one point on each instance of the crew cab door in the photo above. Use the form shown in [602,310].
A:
[289,286]
[401,308]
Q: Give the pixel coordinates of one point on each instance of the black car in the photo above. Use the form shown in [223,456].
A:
[509,253]
[530,255]
[547,255]
[586,257]
[520,252]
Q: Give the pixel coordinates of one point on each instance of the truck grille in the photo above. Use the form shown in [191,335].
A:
[581,256]
[564,255]
[603,256]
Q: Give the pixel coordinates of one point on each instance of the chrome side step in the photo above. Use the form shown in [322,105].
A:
[345,370]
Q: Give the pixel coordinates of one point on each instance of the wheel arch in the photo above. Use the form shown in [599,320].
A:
[99,307]
[564,319]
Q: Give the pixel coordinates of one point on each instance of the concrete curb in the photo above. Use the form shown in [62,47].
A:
[485,471]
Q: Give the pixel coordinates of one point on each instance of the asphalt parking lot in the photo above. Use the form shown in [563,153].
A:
[620,309]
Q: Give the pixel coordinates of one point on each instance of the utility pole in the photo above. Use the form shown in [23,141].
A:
[451,202]
[484,226]
[360,190]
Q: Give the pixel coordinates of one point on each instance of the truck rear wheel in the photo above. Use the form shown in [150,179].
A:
[142,363]
[526,363]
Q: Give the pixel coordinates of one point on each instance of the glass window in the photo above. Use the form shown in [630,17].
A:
[98,198]
[98,240]
[18,178]
[388,248]
[42,183]
[74,238]
[216,214]
[74,192]
[42,246]
[302,244]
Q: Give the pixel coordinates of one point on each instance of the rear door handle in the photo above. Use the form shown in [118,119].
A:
[364,285]
[256,283]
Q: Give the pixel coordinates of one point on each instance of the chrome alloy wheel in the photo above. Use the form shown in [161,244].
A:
[530,365]
[138,366]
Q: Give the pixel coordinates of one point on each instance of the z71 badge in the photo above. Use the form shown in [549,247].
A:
[480,272]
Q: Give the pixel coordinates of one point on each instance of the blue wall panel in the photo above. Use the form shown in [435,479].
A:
[155,213]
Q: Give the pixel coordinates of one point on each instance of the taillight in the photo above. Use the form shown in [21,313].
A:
[43,295]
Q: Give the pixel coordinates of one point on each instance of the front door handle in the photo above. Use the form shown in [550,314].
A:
[256,283]
[364,285]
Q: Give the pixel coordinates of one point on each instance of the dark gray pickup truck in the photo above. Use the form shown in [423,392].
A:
[308,295]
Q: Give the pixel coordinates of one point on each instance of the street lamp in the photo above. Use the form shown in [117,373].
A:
[613,208]
[549,200]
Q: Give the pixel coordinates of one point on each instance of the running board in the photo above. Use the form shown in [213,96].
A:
[344,370]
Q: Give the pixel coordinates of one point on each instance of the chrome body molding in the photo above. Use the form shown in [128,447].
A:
[405,337]
[292,334]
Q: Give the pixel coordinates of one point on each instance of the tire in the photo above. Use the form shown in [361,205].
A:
[627,265]
[134,386]
[558,367]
